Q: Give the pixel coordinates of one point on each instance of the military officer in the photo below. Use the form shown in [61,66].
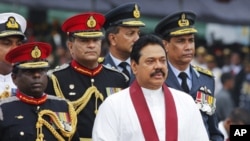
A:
[12,28]
[122,30]
[178,33]
[84,81]
[31,114]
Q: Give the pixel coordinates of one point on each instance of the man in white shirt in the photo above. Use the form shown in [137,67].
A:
[238,116]
[148,109]
[12,28]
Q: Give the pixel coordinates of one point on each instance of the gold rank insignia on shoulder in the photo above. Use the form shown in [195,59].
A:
[136,12]
[36,52]
[204,71]
[91,23]
[11,23]
[183,21]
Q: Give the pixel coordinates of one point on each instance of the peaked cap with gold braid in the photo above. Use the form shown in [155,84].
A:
[127,14]
[87,25]
[30,55]
[12,24]
[175,24]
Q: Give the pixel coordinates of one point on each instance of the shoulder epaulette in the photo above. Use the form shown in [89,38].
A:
[202,70]
[116,70]
[8,100]
[57,68]
[100,60]
[111,68]
[56,98]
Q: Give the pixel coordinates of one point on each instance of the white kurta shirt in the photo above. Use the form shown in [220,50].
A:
[117,120]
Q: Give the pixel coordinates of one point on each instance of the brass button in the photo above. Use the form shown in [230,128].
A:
[22,133]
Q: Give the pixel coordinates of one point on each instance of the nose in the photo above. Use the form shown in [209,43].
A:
[37,73]
[158,64]
[14,44]
[136,37]
[92,43]
[188,45]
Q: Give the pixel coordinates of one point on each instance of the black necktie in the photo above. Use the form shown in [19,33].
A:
[184,85]
[123,65]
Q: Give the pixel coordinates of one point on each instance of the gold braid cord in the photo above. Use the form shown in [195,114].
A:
[59,125]
[80,103]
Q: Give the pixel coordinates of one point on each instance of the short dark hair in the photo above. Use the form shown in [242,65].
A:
[71,38]
[110,29]
[226,76]
[142,42]
[240,115]
[15,69]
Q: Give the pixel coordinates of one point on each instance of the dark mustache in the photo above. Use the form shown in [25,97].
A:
[156,72]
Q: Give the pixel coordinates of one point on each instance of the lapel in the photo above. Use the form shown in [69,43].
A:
[171,80]
[109,61]
[195,82]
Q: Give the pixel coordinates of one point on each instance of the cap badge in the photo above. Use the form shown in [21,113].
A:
[11,23]
[136,12]
[183,21]
[36,52]
[91,23]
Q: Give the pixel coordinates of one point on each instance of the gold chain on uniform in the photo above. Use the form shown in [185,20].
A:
[55,119]
[80,103]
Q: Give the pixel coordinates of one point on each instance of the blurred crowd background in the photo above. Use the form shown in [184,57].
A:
[222,42]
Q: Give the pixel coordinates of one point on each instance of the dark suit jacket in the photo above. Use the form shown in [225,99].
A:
[199,80]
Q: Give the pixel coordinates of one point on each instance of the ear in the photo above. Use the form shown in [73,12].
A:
[70,46]
[166,44]
[14,78]
[133,66]
[112,39]
[227,122]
